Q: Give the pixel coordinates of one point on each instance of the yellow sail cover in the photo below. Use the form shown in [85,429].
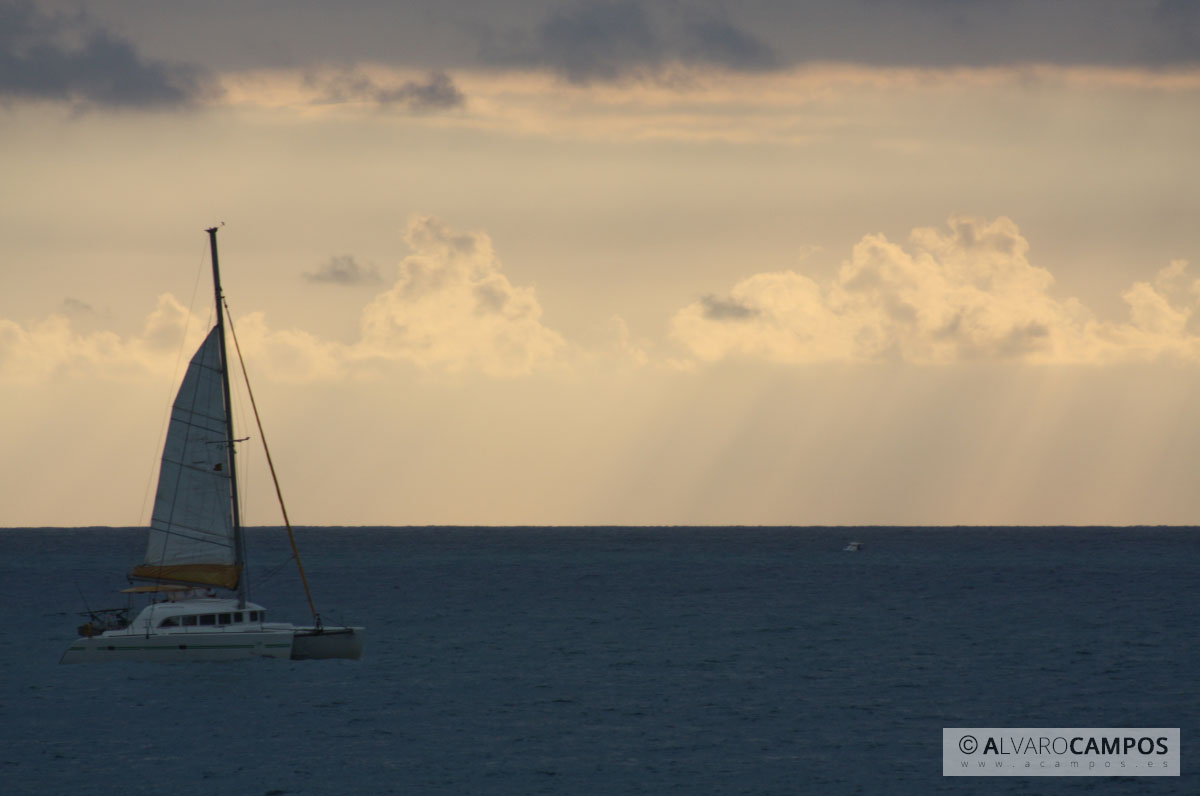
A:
[224,575]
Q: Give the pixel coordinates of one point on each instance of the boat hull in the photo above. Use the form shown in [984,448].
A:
[310,643]
[180,647]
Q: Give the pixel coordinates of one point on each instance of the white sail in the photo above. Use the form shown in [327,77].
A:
[191,529]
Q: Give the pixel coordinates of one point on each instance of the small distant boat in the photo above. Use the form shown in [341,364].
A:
[196,546]
[852,547]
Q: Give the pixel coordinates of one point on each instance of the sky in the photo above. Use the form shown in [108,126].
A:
[651,263]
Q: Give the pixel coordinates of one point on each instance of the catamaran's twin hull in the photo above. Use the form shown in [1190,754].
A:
[310,643]
[297,644]
[175,647]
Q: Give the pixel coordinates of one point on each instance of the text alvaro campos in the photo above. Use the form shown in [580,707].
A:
[1060,752]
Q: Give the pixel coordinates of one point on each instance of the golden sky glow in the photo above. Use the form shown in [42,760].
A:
[498,284]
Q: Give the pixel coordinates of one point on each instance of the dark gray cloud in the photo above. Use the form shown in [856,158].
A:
[68,58]
[437,92]
[491,298]
[593,41]
[596,40]
[607,39]
[344,270]
[75,307]
[948,33]
[720,42]
[1181,20]
[719,309]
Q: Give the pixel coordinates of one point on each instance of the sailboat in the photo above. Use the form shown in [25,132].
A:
[194,569]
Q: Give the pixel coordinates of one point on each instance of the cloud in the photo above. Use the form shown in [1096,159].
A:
[719,42]
[1179,21]
[975,33]
[718,309]
[453,309]
[825,104]
[61,58]
[437,92]
[598,41]
[601,41]
[592,40]
[628,349]
[967,293]
[53,347]
[344,270]
[76,308]
[289,355]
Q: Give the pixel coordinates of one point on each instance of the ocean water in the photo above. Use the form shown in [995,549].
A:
[616,661]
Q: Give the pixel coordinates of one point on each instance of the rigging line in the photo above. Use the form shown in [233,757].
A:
[271,573]
[271,465]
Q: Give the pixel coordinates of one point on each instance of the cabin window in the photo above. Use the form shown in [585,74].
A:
[238,618]
[189,620]
[208,619]
[254,616]
[226,619]
[170,621]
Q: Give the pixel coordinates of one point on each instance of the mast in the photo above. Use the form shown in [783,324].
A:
[239,542]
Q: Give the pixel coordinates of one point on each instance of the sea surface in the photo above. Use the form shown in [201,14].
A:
[615,661]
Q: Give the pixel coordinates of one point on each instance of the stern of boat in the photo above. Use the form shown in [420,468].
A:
[317,643]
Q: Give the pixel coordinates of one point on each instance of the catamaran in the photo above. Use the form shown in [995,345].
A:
[194,569]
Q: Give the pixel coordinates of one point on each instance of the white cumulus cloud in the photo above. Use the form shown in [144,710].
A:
[53,346]
[964,293]
[453,308]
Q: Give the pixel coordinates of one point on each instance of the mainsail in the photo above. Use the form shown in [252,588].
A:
[192,536]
